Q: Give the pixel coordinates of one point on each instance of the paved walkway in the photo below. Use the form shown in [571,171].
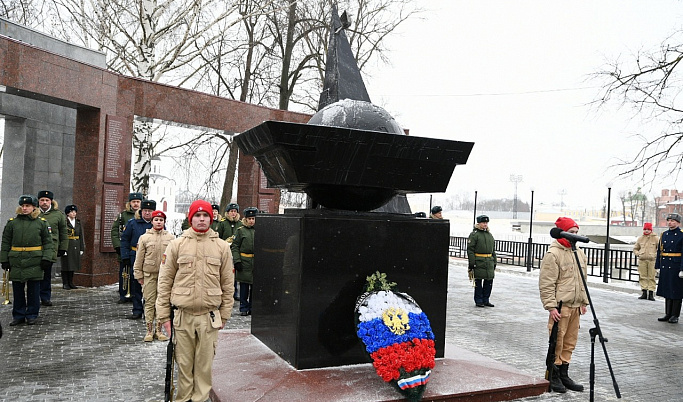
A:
[83,347]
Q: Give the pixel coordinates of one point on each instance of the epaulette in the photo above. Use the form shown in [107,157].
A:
[43,219]
[11,219]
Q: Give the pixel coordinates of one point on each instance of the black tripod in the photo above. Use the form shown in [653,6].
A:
[593,332]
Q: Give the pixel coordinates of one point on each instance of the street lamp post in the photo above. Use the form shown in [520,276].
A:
[530,256]
[605,272]
[515,179]
[474,218]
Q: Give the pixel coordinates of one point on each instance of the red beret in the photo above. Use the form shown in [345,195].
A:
[200,205]
[159,214]
[565,223]
[647,226]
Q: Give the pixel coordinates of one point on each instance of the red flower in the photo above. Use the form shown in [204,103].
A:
[409,356]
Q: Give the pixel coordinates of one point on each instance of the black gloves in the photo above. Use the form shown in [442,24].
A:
[45,265]
[238,266]
[471,267]
[118,251]
[127,263]
[61,253]
[6,266]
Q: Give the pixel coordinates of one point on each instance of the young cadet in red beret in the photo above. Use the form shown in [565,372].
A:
[646,251]
[560,280]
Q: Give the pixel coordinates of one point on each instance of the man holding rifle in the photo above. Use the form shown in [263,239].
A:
[196,279]
[560,281]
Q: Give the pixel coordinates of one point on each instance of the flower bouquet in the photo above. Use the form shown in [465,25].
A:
[397,335]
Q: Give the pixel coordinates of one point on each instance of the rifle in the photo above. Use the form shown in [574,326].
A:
[169,389]
[550,357]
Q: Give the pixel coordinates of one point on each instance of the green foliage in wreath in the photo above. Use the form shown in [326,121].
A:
[378,281]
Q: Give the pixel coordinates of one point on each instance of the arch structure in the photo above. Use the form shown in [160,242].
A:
[69,129]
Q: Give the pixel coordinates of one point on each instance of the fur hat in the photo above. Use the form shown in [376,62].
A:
[200,205]
[216,207]
[674,216]
[647,226]
[250,212]
[70,208]
[232,206]
[482,218]
[46,194]
[158,213]
[148,204]
[565,223]
[436,209]
[28,199]
[135,196]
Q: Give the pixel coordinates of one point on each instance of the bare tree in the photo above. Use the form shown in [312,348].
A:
[649,84]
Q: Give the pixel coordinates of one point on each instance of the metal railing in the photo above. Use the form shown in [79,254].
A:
[623,263]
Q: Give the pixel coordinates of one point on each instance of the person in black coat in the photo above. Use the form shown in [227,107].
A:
[668,263]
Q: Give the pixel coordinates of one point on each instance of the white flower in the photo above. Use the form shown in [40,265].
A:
[375,305]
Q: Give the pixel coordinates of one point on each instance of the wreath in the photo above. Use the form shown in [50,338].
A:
[397,336]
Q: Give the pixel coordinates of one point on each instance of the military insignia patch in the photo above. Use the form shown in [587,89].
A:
[163,259]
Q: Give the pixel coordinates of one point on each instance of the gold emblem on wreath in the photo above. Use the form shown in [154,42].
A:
[396,320]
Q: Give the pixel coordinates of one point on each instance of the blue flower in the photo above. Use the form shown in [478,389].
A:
[376,335]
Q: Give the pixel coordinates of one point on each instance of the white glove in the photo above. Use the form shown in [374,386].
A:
[81,252]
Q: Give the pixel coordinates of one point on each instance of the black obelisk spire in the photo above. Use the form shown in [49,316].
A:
[342,76]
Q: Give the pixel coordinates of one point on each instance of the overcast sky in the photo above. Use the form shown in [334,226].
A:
[513,77]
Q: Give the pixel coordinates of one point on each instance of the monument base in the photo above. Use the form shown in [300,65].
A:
[246,370]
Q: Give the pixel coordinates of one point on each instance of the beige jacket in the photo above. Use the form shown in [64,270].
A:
[151,247]
[196,276]
[559,278]
[646,247]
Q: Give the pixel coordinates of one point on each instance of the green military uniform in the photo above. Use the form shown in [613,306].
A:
[481,255]
[119,225]
[242,248]
[57,226]
[229,228]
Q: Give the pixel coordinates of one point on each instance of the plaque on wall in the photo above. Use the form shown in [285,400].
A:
[114,141]
[111,206]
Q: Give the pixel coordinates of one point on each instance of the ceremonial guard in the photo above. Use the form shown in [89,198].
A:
[151,247]
[71,262]
[27,250]
[668,263]
[217,223]
[436,212]
[230,224]
[196,280]
[129,242]
[243,258]
[117,227]
[481,255]
[56,221]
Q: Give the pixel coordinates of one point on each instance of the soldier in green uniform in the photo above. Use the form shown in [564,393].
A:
[71,262]
[243,258]
[56,224]
[27,250]
[117,227]
[481,254]
[217,225]
[230,224]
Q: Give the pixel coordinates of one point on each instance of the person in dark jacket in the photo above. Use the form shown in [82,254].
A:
[436,212]
[243,258]
[668,263]
[56,225]
[26,251]
[117,227]
[129,244]
[71,261]
[230,224]
[481,254]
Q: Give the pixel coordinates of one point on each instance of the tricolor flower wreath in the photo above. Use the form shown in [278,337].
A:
[397,335]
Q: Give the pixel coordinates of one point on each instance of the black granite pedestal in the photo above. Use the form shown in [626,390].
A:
[311,265]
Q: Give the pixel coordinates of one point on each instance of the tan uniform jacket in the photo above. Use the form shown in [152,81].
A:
[196,276]
[646,247]
[559,278]
[151,247]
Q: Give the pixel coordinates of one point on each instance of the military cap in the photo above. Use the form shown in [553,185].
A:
[674,216]
[148,204]
[420,215]
[250,212]
[482,218]
[28,199]
[70,208]
[436,209]
[158,214]
[216,207]
[135,196]
[46,194]
[234,206]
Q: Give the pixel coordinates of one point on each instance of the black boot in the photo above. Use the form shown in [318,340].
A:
[668,304]
[568,382]
[555,382]
[644,295]
[651,295]
[675,311]
[65,281]
[71,280]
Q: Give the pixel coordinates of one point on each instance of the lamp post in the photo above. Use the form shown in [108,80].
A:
[605,272]
[515,179]
[474,218]
[530,261]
